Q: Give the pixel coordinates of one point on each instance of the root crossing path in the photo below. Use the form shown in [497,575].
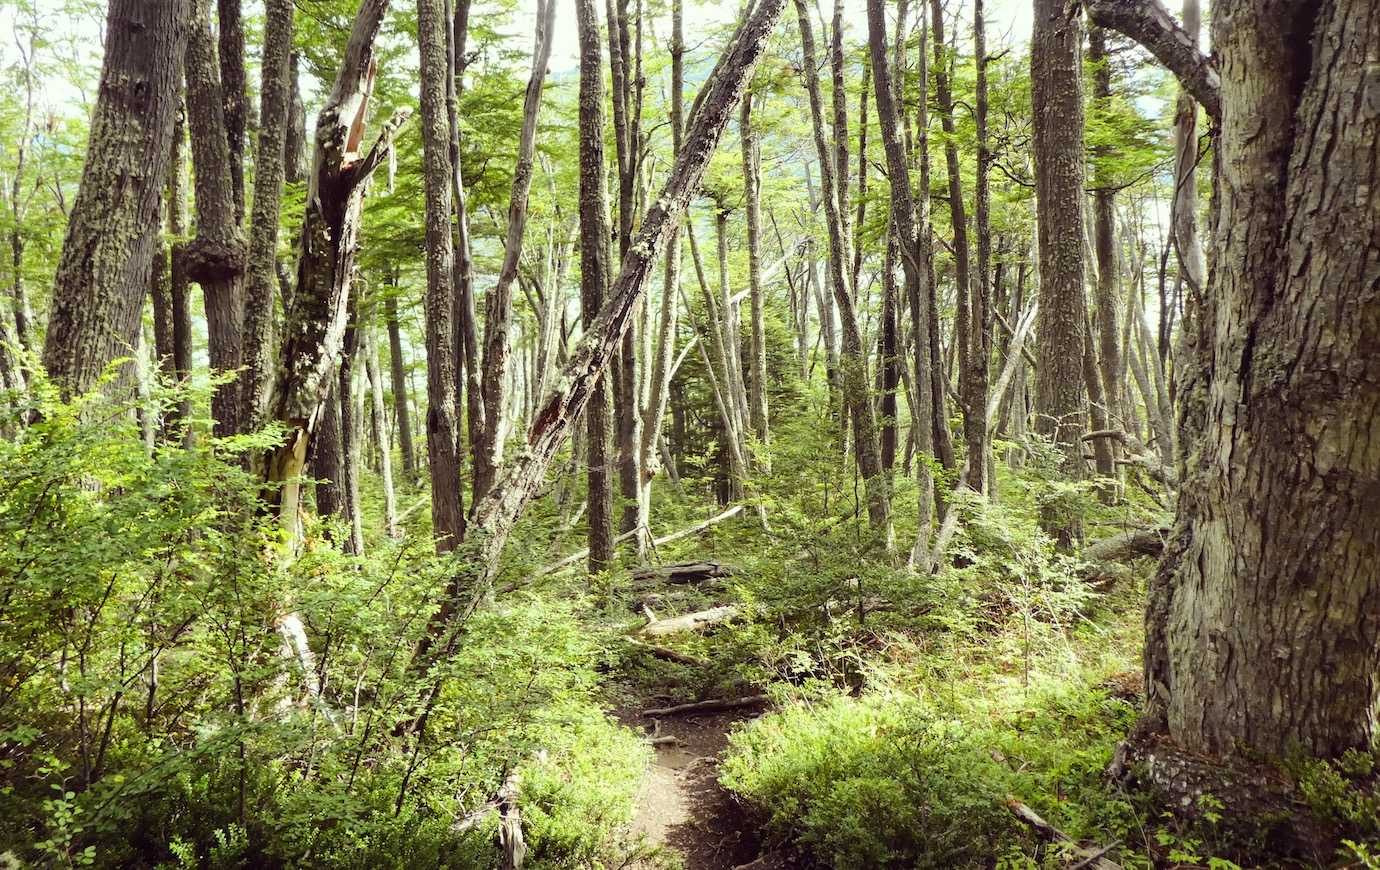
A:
[681,806]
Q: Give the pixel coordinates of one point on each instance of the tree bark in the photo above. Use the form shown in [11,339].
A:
[215,259]
[1056,89]
[976,428]
[1104,241]
[757,350]
[594,271]
[261,277]
[295,145]
[379,431]
[1263,630]
[442,419]
[232,79]
[112,230]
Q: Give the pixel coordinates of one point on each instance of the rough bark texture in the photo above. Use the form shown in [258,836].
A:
[215,259]
[231,50]
[275,102]
[1150,24]
[594,271]
[976,430]
[112,230]
[1104,242]
[295,145]
[1056,87]
[442,418]
[855,386]
[1266,634]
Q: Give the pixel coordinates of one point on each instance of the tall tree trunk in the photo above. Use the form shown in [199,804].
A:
[1056,89]
[837,72]
[499,301]
[594,271]
[963,327]
[655,411]
[261,277]
[757,351]
[215,259]
[1104,241]
[177,273]
[379,431]
[397,370]
[349,436]
[442,419]
[976,429]
[19,294]
[1262,630]
[855,386]
[295,145]
[112,230]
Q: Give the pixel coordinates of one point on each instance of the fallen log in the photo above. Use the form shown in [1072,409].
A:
[716,705]
[684,572]
[1127,545]
[690,621]
[1083,857]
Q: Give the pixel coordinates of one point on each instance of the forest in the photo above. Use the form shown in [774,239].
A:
[690,434]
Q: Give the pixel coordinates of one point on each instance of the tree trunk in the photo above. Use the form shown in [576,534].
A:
[976,429]
[757,350]
[315,326]
[215,258]
[963,314]
[1104,241]
[112,230]
[442,419]
[594,271]
[232,79]
[261,277]
[349,436]
[295,143]
[855,386]
[499,300]
[397,365]
[1056,79]
[177,275]
[1262,627]
[379,430]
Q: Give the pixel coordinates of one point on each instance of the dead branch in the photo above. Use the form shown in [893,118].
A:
[1087,858]
[690,621]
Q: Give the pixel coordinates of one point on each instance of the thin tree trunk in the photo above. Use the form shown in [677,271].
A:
[177,275]
[295,145]
[232,78]
[112,230]
[261,277]
[976,430]
[757,353]
[396,364]
[1104,241]
[379,431]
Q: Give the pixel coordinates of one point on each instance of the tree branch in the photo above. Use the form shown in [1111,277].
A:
[1150,24]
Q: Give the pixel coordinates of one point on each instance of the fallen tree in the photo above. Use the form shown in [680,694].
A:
[690,621]
[683,572]
[716,705]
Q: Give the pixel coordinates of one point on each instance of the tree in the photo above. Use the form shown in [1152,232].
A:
[1057,93]
[855,388]
[1261,634]
[442,421]
[112,230]
[594,270]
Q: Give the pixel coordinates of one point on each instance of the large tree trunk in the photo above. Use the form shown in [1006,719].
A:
[231,51]
[215,259]
[442,418]
[112,231]
[1264,630]
[1057,88]
[594,271]
[855,386]
[261,277]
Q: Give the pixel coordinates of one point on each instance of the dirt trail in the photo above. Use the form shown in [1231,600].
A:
[681,805]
